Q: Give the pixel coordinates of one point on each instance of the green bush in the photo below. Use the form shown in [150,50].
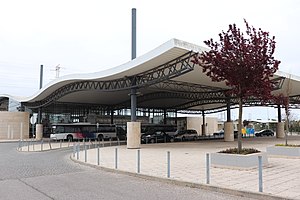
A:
[244,151]
[289,145]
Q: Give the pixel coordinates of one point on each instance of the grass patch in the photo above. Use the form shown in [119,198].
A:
[244,151]
[289,145]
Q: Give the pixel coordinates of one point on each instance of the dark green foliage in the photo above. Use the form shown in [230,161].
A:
[244,151]
[289,145]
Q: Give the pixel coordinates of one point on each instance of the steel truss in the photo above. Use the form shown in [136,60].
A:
[197,98]
[169,70]
[278,82]
[179,86]
[295,99]
[197,94]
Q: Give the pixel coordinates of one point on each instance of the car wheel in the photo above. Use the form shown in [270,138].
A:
[172,139]
[152,141]
[183,138]
[195,138]
[100,137]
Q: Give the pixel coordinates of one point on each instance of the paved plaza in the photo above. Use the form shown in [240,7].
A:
[281,177]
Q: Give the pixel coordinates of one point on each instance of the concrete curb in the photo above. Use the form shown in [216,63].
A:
[241,193]
[46,150]
[9,141]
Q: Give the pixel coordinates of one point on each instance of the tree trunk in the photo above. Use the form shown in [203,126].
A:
[240,125]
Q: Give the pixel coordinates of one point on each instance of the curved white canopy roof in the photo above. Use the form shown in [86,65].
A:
[163,54]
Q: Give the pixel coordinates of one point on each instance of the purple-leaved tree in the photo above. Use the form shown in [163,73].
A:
[244,61]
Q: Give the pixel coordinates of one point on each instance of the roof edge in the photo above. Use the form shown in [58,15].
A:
[123,67]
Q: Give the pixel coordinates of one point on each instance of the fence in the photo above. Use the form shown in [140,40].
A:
[43,145]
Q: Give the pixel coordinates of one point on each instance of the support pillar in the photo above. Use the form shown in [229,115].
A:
[133,127]
[39,125]
[39,116]
[228,132]
[39,131]
[280,130]
[111,116]
[133,104]
[203,124]
[280,125]
[279,113]
[228,125]
[133,135]
[165,116]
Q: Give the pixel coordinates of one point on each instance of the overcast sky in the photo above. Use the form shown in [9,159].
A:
[83,36]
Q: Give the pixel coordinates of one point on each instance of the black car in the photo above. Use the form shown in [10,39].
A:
[266,132]
[155,137]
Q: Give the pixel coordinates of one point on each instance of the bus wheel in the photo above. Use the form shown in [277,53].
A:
[100,137]
[70,138]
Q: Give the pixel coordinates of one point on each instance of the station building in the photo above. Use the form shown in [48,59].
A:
[159,84]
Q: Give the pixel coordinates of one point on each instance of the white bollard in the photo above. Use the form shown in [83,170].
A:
[116,158]
[98,155]
[260,177]
[138,161]
[168,164]
[207,169]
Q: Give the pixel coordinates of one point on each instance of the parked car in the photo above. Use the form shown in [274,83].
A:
[155,137]
[220,133]
[266,132]
[183,135]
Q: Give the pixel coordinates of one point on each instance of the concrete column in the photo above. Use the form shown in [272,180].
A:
[39,131]
[228,132]
[280,130]
[203,127]
[133,135]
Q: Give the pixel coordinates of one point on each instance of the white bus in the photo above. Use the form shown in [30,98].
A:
[77,131]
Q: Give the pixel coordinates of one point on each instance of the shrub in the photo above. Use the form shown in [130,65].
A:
[289,145]
[244,151]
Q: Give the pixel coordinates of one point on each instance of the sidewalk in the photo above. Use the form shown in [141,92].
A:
[280,178]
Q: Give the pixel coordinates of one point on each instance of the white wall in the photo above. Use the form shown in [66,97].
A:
[196,123]
[14,125]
